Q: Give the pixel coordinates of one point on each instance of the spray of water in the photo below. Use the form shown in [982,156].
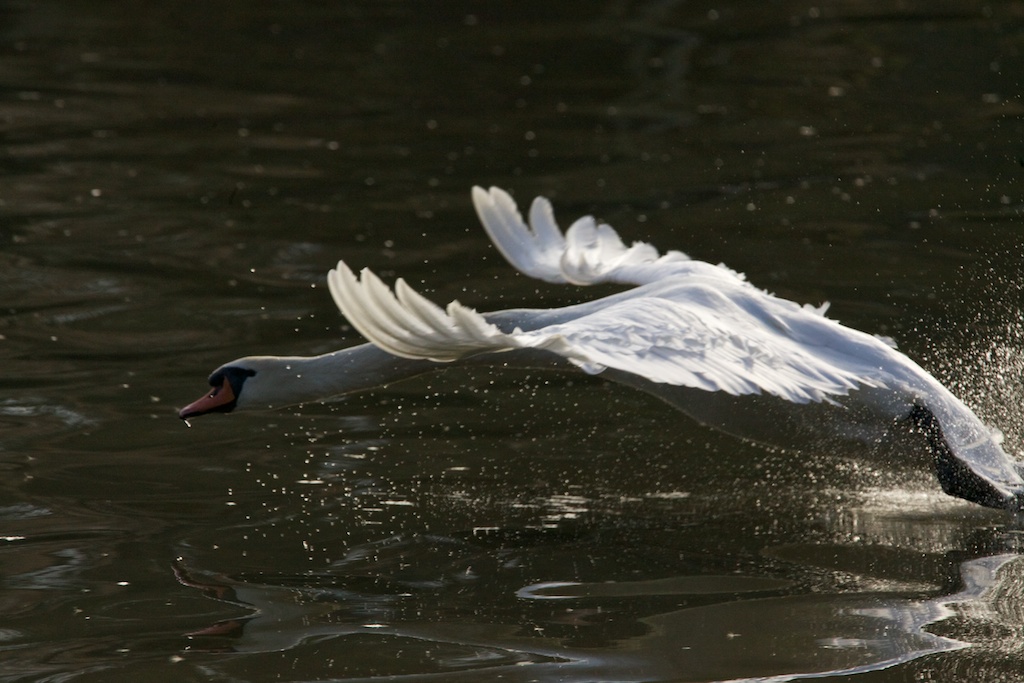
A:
[983,363]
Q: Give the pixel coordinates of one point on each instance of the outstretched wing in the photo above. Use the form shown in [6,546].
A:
[588,253]
[681,342]
[666,340]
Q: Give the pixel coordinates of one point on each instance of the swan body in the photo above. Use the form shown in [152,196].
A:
[697,335]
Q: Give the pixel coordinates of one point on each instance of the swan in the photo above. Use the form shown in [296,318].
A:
[696,335]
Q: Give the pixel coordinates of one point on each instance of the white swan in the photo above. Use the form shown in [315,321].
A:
[697,335]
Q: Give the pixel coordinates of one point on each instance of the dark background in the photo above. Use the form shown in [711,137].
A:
[177,178]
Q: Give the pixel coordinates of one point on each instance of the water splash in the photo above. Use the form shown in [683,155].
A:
[989,376]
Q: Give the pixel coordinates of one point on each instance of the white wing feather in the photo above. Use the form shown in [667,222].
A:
[677,340]
[588,252]
[409,325]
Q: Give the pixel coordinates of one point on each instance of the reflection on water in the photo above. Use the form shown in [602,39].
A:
[710,627]
[177,180]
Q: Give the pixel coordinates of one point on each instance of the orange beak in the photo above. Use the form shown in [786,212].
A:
[221,399]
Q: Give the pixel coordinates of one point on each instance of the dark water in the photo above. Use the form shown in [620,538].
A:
[177,180]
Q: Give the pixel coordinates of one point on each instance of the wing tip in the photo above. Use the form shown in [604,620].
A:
[405,323]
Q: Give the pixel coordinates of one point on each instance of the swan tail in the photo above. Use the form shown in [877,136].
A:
[407,324]
[587,253]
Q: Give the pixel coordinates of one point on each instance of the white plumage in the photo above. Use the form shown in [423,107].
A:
[695,334]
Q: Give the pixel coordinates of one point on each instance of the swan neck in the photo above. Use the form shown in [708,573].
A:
[313,378]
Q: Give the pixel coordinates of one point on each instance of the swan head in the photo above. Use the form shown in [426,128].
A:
[227,388]
[265,382]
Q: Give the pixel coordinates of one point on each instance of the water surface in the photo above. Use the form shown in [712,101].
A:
[177,180]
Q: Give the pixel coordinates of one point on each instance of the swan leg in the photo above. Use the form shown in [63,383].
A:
[955,474]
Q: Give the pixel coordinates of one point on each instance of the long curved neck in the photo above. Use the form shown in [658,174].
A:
[303,379]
